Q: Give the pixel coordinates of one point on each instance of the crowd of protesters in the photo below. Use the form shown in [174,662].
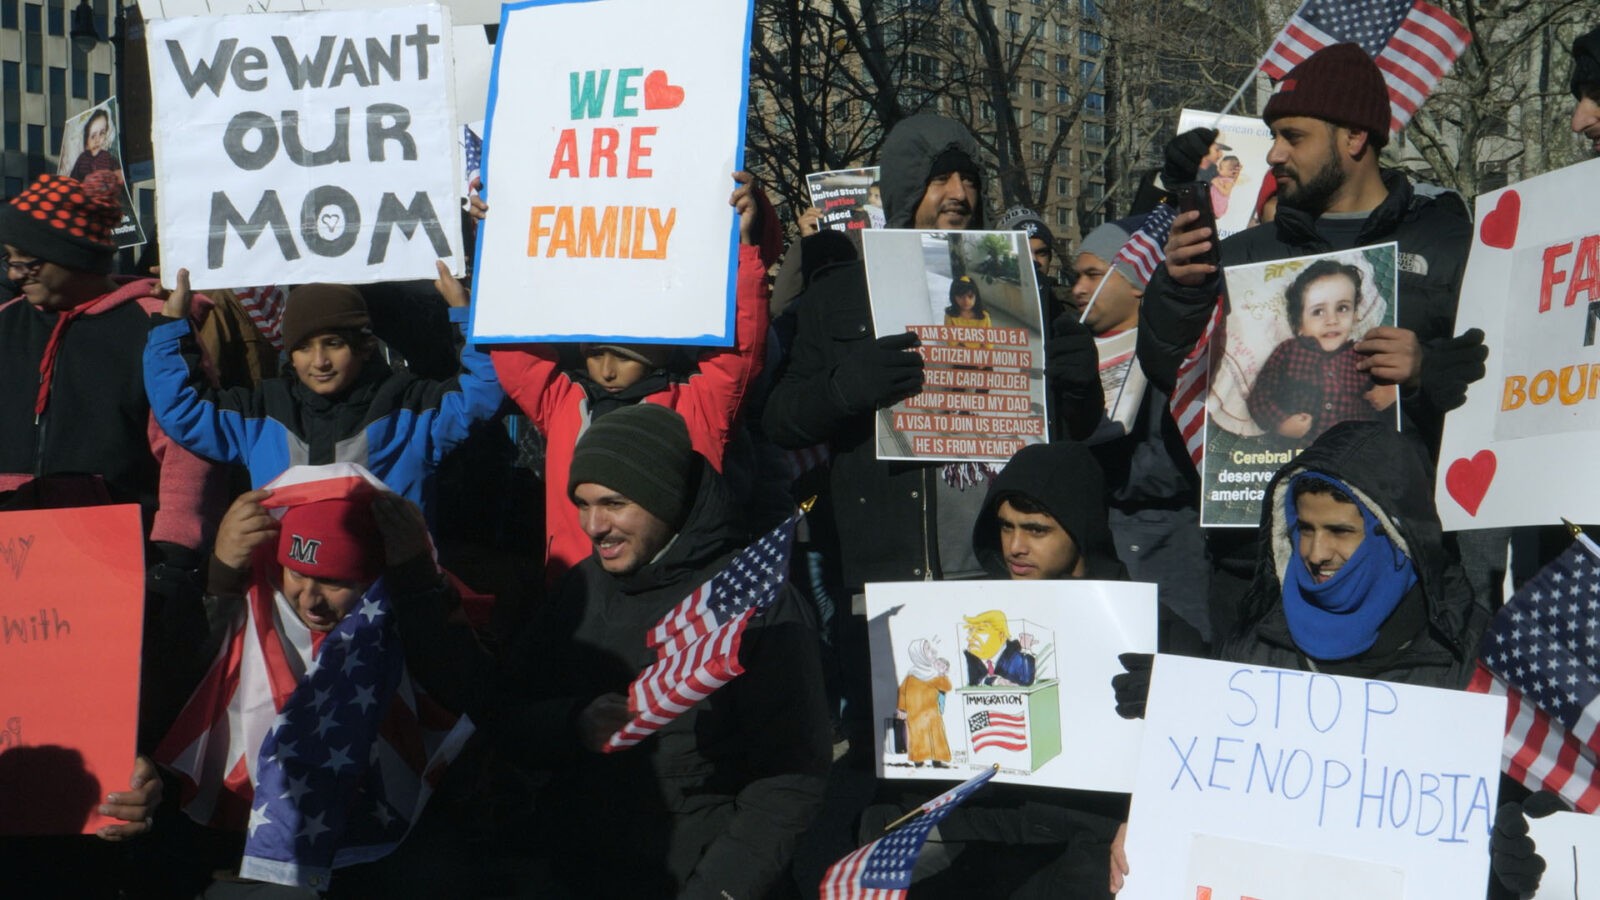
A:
[534,510]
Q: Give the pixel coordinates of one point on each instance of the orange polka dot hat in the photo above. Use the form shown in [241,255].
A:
[66,221]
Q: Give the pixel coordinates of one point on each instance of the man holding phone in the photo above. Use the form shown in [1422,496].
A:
[1330,118]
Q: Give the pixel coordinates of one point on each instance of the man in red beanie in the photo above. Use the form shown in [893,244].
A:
[1329,118]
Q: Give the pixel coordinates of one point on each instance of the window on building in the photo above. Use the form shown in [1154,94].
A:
[1062,216]
[1061,186]
[58,107]
[988,111]
[13,186]
[80,74]
[1038,90]
[1094,101]
[922,64]
[1039,120]
[32,18]
[1062,94]
[1089,9]
[1063,155]
[1062,124]
[1013,22]
[1037,182]
[8,14]
[841,111]
[1037,56]
[1016,86]
[1094,134]
[1063,34]
[35,78]
[55,16]
[13,141]
[1091,73]
[1089,42]
[1092,160]
[102,87]
[1094,191]
[102,24]
[1063,63]
[960,38]
[1038,152]
[11,82]
[36,139]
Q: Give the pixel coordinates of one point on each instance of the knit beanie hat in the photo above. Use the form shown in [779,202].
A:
[1021,218]
[655,356]
[332,539]
[313,308]
[953,159]
[66,221]
[1339,84]
[1105,241]
[1585,63]
[643,453]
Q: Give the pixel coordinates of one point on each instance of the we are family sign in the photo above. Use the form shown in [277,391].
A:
[614,128]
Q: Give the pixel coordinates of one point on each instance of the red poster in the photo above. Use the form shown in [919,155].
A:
[71,618]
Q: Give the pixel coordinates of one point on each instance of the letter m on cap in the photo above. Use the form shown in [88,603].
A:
[303,550]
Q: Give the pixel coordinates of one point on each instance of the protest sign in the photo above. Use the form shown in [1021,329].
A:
[849,198]
[1385,775]
[1570,845]
[608,165]
[321,144]
[1121,380]
[1287,371]
[972,299]
[71,613]
[1533,285]
[89,144]
[966,674]
[1235,166]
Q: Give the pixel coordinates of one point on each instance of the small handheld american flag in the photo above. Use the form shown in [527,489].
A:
[882,869]
[1542,651]
[697,641]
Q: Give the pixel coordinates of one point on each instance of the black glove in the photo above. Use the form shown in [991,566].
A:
[1133,686]
[173,572]
[1183,154]
[1072,372]
[1448,366]
[879,373]
[1512,856]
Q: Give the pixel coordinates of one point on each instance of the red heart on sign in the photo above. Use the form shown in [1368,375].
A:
[659,93]
[1467,480]
[1499,228]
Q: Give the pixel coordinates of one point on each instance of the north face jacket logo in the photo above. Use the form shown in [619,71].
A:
[303,550]
[1413,263]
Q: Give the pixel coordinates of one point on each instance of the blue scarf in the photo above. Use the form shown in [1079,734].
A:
[1340,617]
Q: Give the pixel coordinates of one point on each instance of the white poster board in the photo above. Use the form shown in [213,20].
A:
[983,396]
[1570,845]
[1025,680]
[1261,408]
[1235,166]
[1384,774]
[608,166]
[1533,285]
[322,144]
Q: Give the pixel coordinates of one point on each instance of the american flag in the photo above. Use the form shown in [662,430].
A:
[264,306]
[697,641]
[1147,247]
[882,869]
[1413,43]
[997,729]
[1188,401]
[317,745]
[1542,652]
[473,145]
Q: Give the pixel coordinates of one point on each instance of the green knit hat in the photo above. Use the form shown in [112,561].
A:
[643,453]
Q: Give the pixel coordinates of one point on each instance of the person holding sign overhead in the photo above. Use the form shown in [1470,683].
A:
[339,403]
[563,404]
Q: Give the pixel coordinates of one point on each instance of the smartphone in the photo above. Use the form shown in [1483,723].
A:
[1196,195]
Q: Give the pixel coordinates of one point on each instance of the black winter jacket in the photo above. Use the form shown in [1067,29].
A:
[711,805]
[1389,470]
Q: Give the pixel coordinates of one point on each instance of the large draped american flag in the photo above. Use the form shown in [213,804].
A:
[319,746]
[1542,652]
[697,642]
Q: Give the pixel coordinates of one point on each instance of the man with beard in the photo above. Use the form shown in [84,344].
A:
[1329,120]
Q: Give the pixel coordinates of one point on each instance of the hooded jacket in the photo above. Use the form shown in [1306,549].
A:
[709,806]
[886,513]
[1064,478]
[96,419]
[1390,475]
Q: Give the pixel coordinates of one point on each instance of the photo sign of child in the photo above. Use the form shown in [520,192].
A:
[1287,371]
[972,300]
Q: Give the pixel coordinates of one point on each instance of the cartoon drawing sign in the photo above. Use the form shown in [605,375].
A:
[608,167]
[320,143]
[1297,763]
[1533,286]
[970,674]
[71,612]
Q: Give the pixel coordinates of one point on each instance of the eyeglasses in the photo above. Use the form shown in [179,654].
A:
[29,267]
